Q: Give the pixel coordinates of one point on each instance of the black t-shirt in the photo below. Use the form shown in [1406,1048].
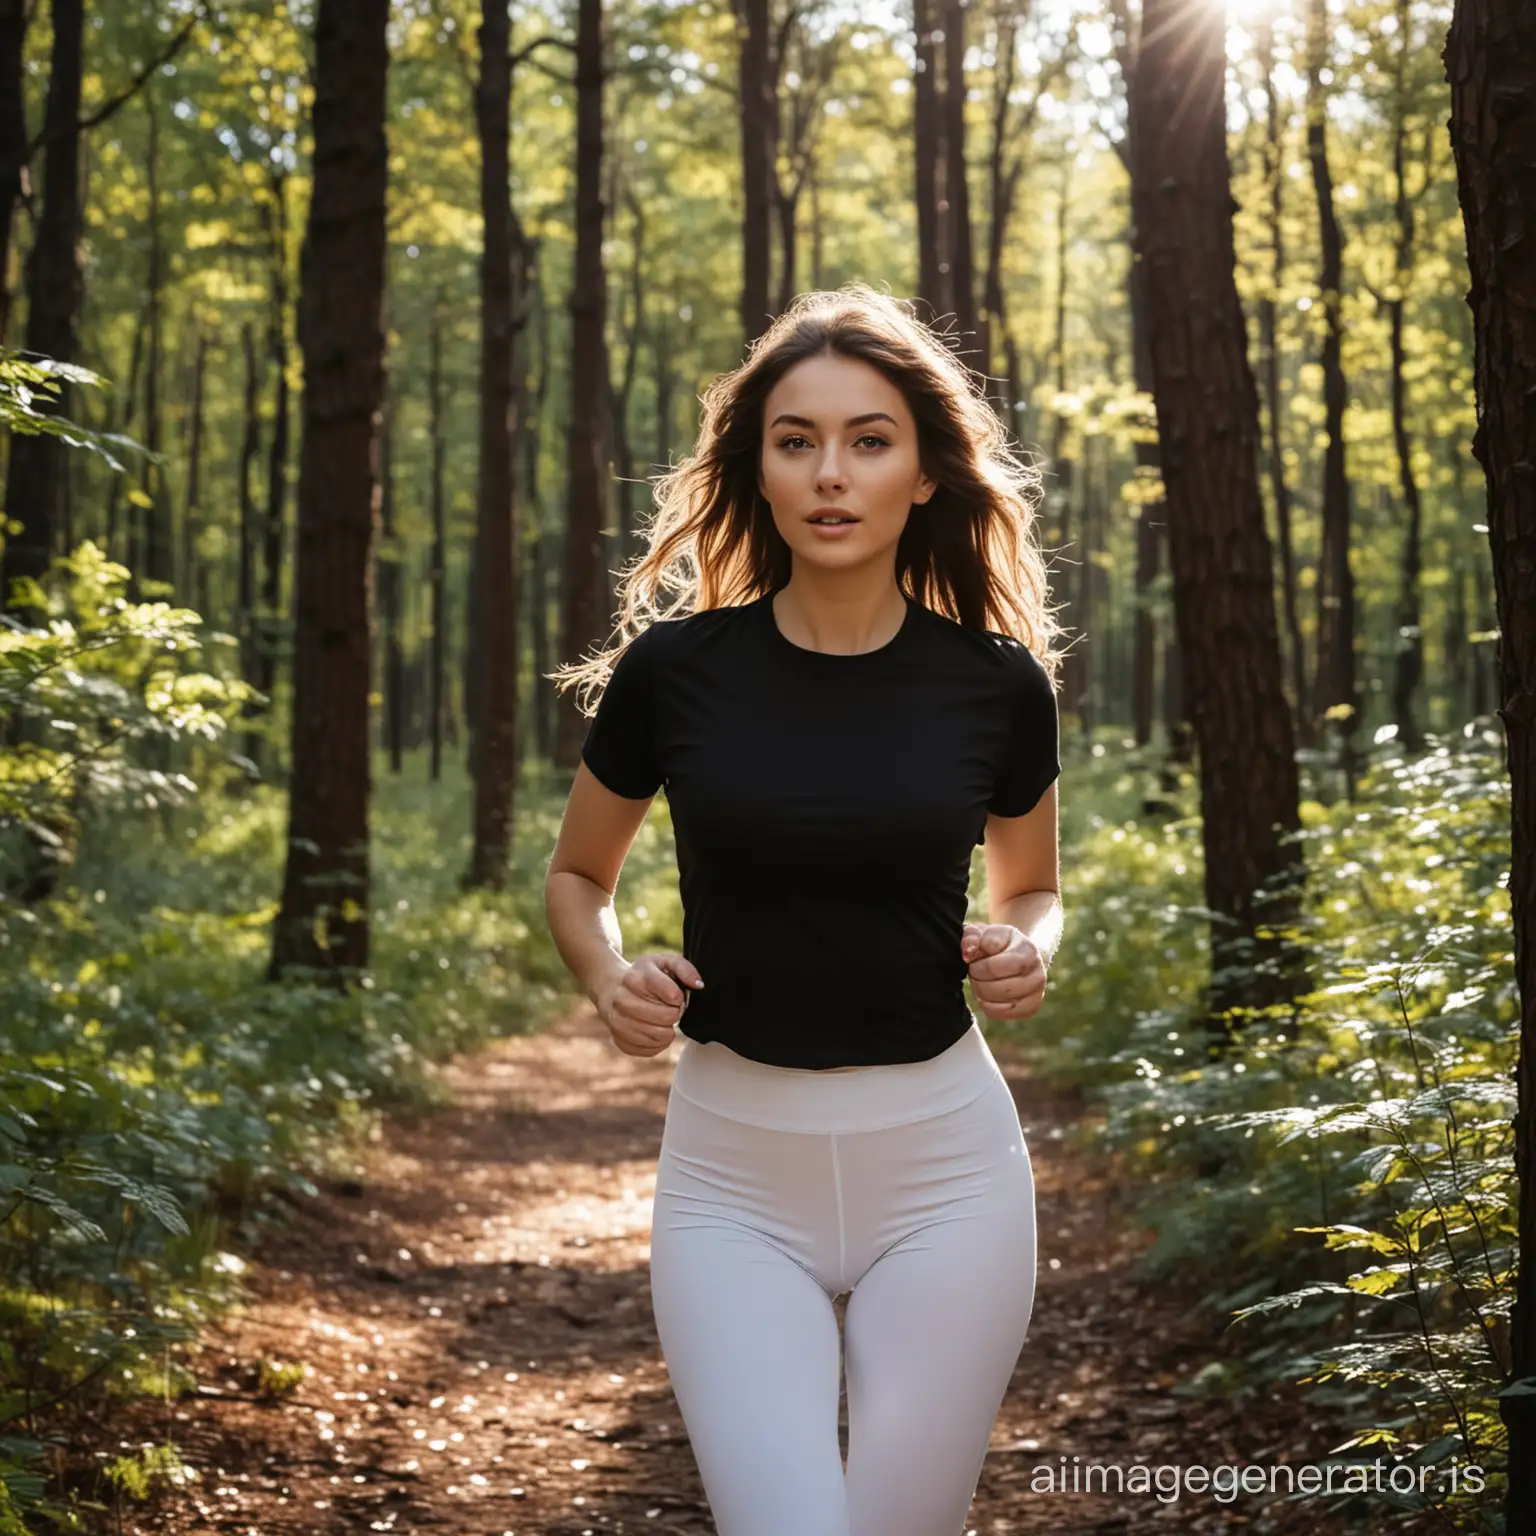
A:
[825,808]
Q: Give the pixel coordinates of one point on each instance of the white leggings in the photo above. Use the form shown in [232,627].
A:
[777,1189]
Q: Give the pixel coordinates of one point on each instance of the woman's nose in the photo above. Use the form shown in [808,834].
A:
[829,474]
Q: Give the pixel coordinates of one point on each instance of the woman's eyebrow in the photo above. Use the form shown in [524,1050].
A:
[853,421]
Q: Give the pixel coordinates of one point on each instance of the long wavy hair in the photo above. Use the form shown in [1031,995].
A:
[969,552]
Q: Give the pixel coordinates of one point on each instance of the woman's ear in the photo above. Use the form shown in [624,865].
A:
[925,489]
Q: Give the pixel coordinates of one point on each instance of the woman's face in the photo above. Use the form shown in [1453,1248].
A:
[838,434]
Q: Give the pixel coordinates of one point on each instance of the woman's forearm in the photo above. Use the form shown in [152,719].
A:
[1037,914]
[585,928]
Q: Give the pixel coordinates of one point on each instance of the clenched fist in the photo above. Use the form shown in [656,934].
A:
[642,1010]
[1006,969]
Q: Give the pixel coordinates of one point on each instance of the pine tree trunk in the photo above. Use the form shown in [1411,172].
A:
[926,130]
[192,581]
[496,564]
[437,572]
[585,620]
[14,16]
[1408,662]
[1208,424]
[34,490]
[1336,685]
[1491,60]
[245,591]
[758,110]
[274,524]
[960,253]
[323,921]
[1269,352]
[389,579]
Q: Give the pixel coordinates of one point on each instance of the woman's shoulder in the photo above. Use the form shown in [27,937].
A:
[684,632]
[990,646]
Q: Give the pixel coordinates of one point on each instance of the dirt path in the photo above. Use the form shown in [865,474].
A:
[476,1317]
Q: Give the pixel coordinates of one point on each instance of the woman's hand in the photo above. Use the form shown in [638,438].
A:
[643,1008]
[1007,971]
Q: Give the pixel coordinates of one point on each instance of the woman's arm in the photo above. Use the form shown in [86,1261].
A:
[596,833]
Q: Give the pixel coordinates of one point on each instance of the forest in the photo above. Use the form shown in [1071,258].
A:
[341,344]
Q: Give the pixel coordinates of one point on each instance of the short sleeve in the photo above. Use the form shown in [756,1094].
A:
[1033,760]
[620,746]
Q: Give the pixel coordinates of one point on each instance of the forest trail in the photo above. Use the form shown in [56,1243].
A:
[477,1318]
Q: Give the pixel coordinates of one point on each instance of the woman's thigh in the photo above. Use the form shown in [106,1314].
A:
[936,1321]
[748,1332]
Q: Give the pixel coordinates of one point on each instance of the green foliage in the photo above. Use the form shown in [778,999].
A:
[156,1090]
[106,694]
[31,389]
[1374,1114]
[141,1473]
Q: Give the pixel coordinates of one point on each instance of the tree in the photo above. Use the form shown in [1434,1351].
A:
[323,921]
[1208,429]
[35,480]
[494,754]
[1490,55]
[587,481]
[758,113]
[1337,687]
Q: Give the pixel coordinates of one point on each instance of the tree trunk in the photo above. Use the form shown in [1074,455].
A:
[926,130]
[123,543]
[35,478]
[1208,424]
[1073,681]
[1408,661]
[274,525]
[192,585]
[1490,57]
[391,588]
[758,109]
[1337,686]
[545,560]
[245,596]
[159,543]
[584,620]
[1269,352]
[437,686]
[495,741]
[14,17]
[960,254]
[323,922]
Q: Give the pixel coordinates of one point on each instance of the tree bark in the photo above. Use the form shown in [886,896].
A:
[14,17]
[389,579]
[960,253]
[1269,352]
[245,592]
[1408,661]
[584,620]
[35,477]
[437,570]
[1337,686]
[1208,424]
[495,740]
[274,524]
[926,131]
[323,922]
[158,540]
[192,518]
[758,112]
[1490,57]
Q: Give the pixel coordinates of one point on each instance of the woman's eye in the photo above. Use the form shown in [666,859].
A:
[868,437]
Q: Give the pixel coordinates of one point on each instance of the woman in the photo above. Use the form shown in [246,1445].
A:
[834,744]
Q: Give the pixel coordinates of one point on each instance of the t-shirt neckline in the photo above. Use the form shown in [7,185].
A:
[838,659]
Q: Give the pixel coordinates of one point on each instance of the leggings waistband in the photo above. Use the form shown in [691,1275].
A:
[716,1078]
